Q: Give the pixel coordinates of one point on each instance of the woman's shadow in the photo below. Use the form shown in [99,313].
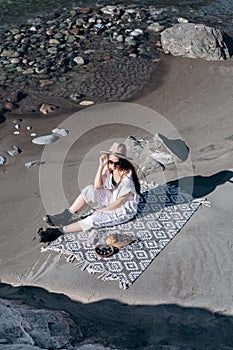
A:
[203,185]
[181,191]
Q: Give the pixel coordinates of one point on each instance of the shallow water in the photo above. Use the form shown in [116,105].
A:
[214,12]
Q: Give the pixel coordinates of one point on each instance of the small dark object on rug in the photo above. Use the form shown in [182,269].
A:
[104,250]
[49,234]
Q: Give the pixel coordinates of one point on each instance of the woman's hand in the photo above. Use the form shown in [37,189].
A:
[103,160]
[97,211]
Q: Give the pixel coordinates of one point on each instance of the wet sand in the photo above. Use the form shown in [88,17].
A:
[195,269]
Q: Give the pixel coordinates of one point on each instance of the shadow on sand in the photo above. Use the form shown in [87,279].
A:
[135,326]
[169,194]
[200,186]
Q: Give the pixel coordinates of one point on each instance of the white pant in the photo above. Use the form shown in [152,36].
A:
[108,218]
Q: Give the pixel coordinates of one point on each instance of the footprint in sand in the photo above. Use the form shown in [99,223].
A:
[214,151]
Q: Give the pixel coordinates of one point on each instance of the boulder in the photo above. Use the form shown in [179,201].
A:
[156,154]
[196,41]
[29,328]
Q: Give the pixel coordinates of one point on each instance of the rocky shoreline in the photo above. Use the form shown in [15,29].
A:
[99,53]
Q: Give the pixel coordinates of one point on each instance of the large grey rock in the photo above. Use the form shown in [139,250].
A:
[30,328]
[195,40]
[156,154]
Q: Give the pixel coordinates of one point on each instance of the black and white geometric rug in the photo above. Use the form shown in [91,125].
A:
[162,214]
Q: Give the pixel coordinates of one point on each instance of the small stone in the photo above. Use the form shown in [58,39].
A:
[54,42]
[14,97]
[86,103]
[109,10]
[76,97]
[88,52]
[182,20]
[155,27]
[52,50]
[15,60]
[45,140]
[32,163]
[75,31]
[16,132]
[29,127]
[46,108]
[133,55]
[17,121]
[99,26]
[79,60]
[2,160]
[18,36]
[84,10]
[79,22]
[28,71]
[107,58]
[10,53]
[33,134]
[136,32]
[120,38]
[60,131]
[10,106]
[14,151]
[17,126]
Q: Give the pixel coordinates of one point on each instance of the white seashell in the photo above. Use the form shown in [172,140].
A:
[2,160]
[60,131]
[86,103]
[45,140]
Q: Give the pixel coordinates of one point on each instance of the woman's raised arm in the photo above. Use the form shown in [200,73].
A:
[98,182]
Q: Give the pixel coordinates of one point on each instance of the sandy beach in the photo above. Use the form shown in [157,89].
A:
[186,293]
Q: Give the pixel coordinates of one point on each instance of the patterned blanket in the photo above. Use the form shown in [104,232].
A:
[162,213]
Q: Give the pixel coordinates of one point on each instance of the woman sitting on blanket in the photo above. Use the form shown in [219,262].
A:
[116,188]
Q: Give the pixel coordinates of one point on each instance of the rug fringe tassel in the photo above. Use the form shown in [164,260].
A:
[203,201]
[70,259]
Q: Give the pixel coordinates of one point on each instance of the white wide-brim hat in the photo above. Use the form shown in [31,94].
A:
[118,150]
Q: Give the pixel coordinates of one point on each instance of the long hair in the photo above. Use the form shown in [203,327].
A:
[126,165]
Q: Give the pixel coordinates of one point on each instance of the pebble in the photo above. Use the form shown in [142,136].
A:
[33,134]
[14,151]
[32,163]
[28,71]
[2,160]
[47,108]
[9,106]
[86,103]
[16,132]
[182,20]
[17,121]
[60,131]
[15,60]
[45,140]
[29,127]
[79,60]
[136,32]
[155,27]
